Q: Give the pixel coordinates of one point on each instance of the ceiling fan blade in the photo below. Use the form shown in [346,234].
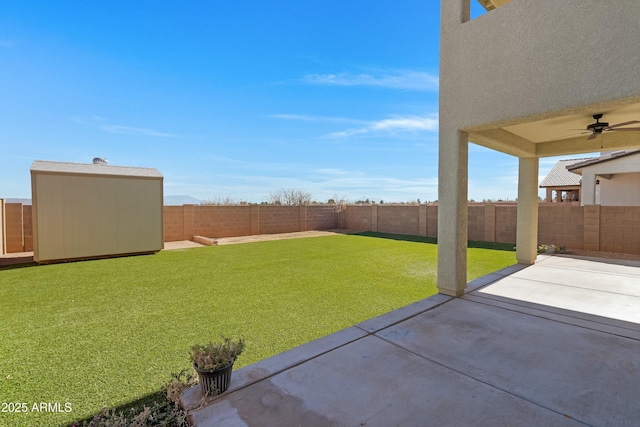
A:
[632,122]
[592,136]
[626,129]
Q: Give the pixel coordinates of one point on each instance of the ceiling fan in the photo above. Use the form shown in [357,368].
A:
[598,127]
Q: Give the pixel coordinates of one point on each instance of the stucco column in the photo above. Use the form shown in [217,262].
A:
[452,211]
[455,11]
[588,196]
[527,228]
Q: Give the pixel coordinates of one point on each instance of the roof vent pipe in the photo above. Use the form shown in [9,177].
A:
[100,161]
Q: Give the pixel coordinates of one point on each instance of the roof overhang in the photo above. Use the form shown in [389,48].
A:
[577,167]
[561,132]
[492,4]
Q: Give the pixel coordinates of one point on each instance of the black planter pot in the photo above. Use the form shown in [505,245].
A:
[214,382]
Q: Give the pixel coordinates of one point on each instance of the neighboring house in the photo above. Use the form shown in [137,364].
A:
[566,184]
[526,79]
[612,179]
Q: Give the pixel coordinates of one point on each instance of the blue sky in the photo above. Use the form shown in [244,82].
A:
[234,98]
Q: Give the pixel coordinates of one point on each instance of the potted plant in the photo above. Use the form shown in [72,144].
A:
[214,362]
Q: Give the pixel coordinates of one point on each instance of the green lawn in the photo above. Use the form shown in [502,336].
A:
[107,332]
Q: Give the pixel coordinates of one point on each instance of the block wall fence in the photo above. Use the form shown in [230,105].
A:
[595,228]
[16,228]
[184,222]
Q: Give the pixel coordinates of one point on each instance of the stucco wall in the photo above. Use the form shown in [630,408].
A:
[523,62]
[533,58]
[619,182]
[621,189]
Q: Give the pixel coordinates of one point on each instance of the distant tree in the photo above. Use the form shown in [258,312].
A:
[222,201]
[339,203]
[290,197]
[367,201]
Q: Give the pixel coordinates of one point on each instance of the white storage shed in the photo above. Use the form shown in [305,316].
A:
[95,210]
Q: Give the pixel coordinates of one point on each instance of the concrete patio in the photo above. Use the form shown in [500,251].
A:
[553,344]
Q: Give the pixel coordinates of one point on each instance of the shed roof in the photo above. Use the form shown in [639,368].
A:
[93,169]
[559,176]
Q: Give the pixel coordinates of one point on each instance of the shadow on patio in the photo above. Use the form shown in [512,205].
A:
[525,346]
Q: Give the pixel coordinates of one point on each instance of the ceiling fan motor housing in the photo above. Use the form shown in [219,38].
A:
[597,127]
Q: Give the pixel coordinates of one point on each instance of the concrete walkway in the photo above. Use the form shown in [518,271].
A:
[495,357]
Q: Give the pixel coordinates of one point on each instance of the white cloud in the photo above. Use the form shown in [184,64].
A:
[135,131]
[332,172]
[392,125]
[306,118]
[100,123]
[400,79]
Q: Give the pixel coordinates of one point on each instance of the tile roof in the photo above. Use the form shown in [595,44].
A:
[559,176]
[93,169]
